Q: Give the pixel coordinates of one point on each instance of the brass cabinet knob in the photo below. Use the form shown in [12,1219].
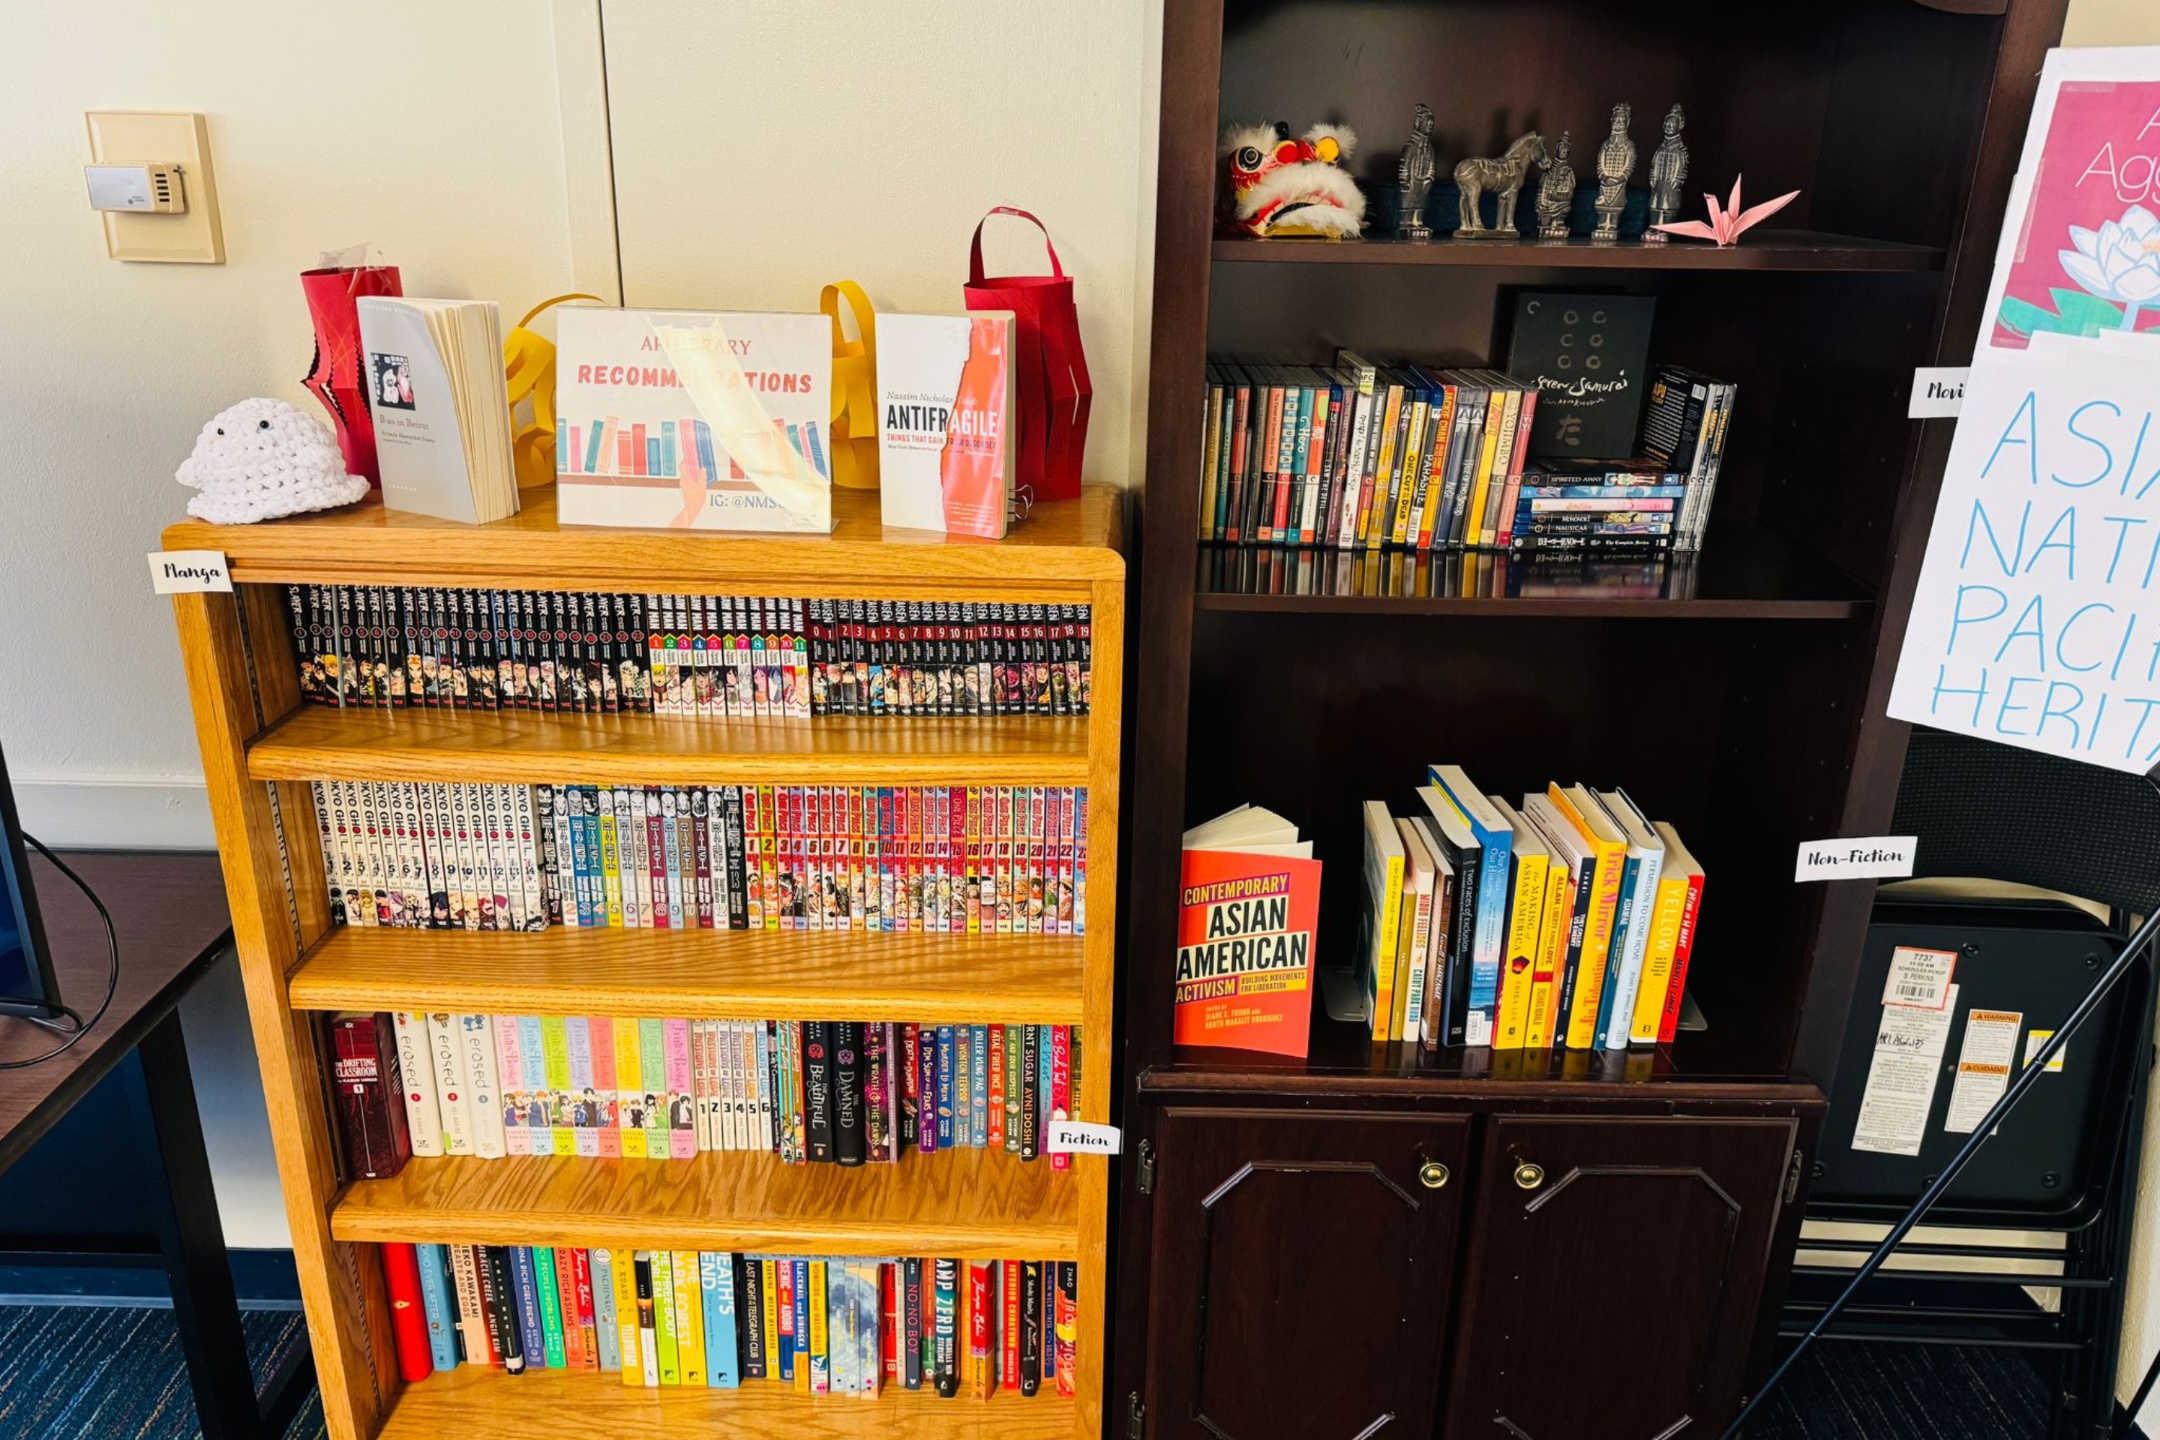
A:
[1432,1174]
[1529,1176]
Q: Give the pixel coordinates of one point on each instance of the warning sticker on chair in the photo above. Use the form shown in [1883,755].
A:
[1983,1069]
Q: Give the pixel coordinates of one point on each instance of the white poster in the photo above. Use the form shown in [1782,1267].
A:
[2037,618]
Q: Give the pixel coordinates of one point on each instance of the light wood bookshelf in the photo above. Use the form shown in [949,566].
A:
[261,747]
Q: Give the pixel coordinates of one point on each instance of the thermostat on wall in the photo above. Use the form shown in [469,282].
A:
[138,189]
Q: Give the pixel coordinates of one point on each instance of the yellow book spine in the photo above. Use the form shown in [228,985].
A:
[769,1279]
[663,1317]
[1388,923]
[1210,459]
[1658,961]
[629,1069]
[624,1268]
[1406,493]
[820,1366]
[1557,909]
[1405,944]
[1492,466]
[1526,912]
[689,1318]
[1382,517]
[1436,453]
[1611,859]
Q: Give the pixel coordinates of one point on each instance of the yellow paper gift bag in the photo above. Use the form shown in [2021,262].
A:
[529,372]
[854,389]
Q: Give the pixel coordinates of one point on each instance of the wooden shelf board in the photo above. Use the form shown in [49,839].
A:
[700,974]
[317,742]
[1060,545]
[1759,250]
[1745,572]
[968,1203]
[477,1404]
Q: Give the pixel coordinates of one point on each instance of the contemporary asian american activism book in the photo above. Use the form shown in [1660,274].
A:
[1250,899]
[693,420]
[442,410]
[945,421]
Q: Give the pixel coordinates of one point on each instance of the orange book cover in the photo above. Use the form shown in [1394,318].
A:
[1245,951]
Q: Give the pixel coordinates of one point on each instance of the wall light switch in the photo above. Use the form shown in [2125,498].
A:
[150,142]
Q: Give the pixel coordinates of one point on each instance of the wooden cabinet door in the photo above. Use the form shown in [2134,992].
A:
[1302,1264]
[1613,1275]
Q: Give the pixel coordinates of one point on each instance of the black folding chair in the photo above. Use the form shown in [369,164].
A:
[2065,1160]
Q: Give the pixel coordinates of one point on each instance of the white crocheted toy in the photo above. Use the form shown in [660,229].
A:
[261,459]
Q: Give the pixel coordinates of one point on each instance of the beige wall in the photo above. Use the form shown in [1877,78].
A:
[2113,22]
[764,148]
[428,129]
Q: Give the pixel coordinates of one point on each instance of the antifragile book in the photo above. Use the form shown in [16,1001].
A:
[693,419]
[945,414]
[1250,898]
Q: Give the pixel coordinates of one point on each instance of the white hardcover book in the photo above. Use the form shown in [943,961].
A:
[436,388]
[416,1063]
[476,1044]
[945,422]
[528,858]
[446,1051]
[696,419]
[1647,852]
[1420,868]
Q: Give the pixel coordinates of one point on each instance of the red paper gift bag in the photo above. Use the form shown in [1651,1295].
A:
[1050,375]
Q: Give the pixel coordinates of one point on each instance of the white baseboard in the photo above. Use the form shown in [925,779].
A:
[124,812]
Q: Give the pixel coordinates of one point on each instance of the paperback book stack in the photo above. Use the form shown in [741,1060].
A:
[809,1091]
[986,860]
[1363,456]
[1568,921]
[701,656]
[823,1325]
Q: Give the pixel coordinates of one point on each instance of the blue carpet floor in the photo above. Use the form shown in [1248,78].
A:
[95,1373]
[71,1372]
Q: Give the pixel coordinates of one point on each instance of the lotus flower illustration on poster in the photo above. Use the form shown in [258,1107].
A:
[2081,238]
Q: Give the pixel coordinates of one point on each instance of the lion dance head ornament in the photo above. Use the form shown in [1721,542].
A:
[1285,186]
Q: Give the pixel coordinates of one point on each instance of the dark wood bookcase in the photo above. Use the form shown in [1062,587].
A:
[1531,1244]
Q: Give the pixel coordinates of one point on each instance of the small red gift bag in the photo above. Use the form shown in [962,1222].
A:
[1050,375]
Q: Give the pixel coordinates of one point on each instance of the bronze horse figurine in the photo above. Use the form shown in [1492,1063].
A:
[1504,177]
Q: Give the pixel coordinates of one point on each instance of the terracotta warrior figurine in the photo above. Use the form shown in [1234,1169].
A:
[1668,172]
[1615,167]
[1414,178]
[1556,193]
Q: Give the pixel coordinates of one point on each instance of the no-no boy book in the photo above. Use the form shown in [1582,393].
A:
[693,420]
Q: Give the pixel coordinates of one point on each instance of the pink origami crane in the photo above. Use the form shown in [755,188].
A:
[1726,223]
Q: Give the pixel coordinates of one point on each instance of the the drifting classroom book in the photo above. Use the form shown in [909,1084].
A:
[693,420]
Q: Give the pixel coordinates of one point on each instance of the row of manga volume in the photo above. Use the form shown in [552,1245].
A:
[700,656]
[1568,921]
[1362,456]
[809,1091]
[994,859]
[823,1325]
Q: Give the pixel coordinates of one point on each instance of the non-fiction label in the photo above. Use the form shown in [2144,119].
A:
[1919,977]
[1938,392]
[189,572]
[1983,1070]
[1078,1137]
[1909,1045]
[2034,1039]
[1872,857]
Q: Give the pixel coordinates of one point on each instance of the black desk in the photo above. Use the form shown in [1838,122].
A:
[169,913]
